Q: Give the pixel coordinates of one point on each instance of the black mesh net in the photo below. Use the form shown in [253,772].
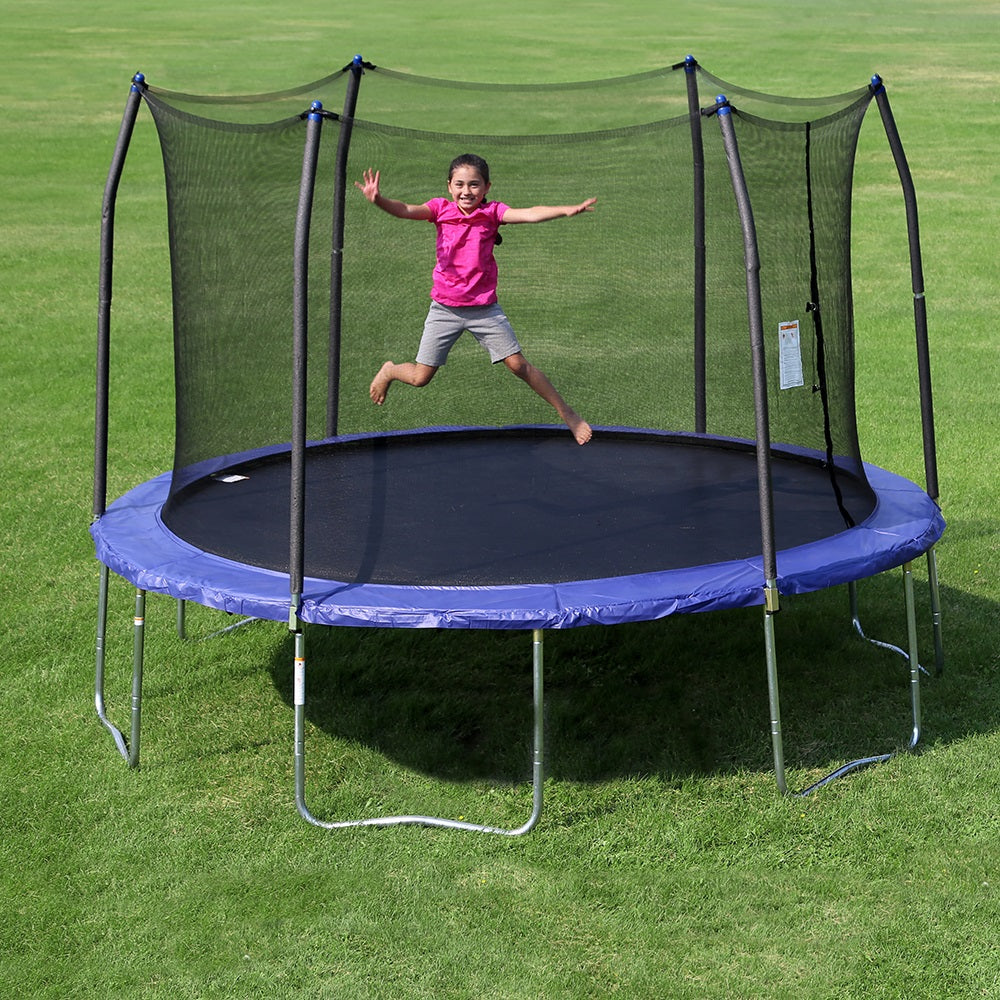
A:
[604,303]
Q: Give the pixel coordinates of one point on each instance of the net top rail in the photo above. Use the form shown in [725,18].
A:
[390,96]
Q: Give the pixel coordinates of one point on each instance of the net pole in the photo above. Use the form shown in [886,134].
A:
[923,347]
[104,294]
[300,346]
[698,165]
[337,256]
[917,280]
[756,327]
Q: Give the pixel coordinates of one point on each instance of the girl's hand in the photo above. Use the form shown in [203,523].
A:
[584,206]
[370,187]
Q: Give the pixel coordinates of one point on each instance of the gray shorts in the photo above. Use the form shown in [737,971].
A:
[445,324]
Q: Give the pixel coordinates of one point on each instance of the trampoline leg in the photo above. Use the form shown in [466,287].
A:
[128,749]
[911,631]
[538,770]
[773,701]
[102,625]
[138,647]
[299,702]
[932,576]
[852,589]
[915,668]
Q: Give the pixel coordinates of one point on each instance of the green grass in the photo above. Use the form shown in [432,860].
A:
[666,864]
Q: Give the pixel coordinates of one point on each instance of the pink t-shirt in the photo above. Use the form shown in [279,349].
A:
[466,272]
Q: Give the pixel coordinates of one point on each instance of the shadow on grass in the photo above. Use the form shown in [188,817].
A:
[676,698]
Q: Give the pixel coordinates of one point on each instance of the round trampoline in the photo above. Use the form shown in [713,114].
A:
[508,528]
[706,333]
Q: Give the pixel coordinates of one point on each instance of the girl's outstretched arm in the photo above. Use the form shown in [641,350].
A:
[400,209]
[544,213]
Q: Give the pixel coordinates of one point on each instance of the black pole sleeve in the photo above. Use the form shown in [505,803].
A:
[756,326]
[917,280]
[698,163]
[337,256]
[300,348]
[105,282]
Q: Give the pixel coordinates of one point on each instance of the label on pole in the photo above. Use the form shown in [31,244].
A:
[790,354]
[300,680]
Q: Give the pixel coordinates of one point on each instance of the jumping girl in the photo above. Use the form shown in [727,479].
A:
[464,290]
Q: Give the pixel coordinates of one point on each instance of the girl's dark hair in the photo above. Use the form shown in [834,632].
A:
[477,163]
[470,160]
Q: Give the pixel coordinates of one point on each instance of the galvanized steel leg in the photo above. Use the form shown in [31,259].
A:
[911,631]
[915,668]
[932,577]
[773,701]
[128,749]
[538,769]
[102,626]
[138,647]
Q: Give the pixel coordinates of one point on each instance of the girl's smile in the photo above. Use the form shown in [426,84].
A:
[467,188]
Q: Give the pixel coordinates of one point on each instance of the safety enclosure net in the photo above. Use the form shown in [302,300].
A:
[637,311]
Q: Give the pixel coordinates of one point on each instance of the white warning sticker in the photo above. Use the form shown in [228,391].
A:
[790,354]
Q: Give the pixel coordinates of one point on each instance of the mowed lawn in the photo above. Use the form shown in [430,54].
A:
[666,863]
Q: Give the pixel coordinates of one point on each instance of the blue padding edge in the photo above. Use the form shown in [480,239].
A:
[131,540]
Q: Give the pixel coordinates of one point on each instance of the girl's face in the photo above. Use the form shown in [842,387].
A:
[467,188]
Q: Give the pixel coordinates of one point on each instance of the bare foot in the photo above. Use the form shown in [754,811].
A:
[580,428]
[380,384]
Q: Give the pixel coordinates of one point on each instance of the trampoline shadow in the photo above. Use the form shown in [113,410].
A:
[677,698]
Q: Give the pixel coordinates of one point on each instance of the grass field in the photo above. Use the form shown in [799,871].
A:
[666,863]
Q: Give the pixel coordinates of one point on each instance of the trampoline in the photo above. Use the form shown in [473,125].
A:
[507,526]
[538,533]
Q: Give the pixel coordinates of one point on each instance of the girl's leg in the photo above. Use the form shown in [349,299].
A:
[410,372]
[539,381]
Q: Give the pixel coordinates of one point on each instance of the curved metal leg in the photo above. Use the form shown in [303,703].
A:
[432,821]
[129,749]
[915,668]
[852,588]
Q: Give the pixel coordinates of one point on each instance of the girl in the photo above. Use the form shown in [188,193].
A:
[464,291]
